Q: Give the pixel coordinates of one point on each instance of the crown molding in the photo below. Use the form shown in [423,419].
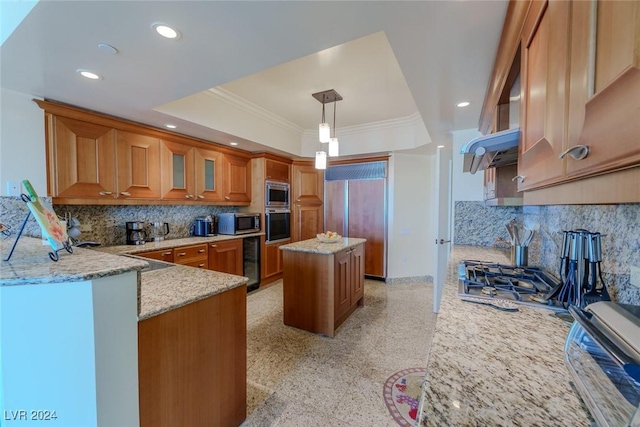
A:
[240,103]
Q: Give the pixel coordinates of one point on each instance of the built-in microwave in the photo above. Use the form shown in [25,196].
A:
[238,223]
[276,195]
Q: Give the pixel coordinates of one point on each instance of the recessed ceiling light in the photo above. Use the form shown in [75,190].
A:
[440,146]
[233,143]
[463,104]
[107,48]
[89,74]
[166,31]
[170,126]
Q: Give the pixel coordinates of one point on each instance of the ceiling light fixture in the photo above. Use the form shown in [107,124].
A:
[463,104]
[166,31]
[170,126]
[233,143]
[89,74]
[440,146]
[333,142]
[324,134]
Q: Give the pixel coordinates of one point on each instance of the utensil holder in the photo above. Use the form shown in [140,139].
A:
[519,256]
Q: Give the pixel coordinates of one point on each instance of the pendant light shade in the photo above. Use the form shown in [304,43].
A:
[321,160]
[324,132]
[334,147]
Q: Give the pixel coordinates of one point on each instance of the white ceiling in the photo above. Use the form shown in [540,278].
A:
[388,60]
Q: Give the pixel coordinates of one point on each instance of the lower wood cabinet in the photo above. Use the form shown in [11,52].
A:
[163,255]
[320,291]
[192,363]
[226,256]
[273,259]
[193,256]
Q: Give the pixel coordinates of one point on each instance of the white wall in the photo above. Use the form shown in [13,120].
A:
[411,216]
[22,149]
[466,186]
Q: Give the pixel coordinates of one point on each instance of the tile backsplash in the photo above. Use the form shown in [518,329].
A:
[108,222]
[476,224]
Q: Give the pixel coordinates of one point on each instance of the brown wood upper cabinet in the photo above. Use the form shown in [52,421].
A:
[545,49]
[277,171]
[237,179]
[193,173]
[80,158]
[138,160]
[308,194]
[604,95]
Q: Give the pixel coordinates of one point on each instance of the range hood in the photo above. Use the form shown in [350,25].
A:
[490,151]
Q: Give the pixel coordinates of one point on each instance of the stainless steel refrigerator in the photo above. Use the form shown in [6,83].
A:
[356,206]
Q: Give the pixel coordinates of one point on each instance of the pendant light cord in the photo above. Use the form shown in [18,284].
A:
[334,118]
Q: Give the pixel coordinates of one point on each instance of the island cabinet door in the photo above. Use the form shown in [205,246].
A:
[357,273]
[342,282]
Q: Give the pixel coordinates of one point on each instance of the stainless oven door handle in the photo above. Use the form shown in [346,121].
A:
[628,363]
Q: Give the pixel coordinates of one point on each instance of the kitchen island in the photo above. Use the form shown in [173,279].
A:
[491,367]
[323,283]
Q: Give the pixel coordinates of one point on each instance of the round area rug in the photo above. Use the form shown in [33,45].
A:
[401,394]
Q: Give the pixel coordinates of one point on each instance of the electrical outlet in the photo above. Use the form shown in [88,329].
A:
[85,227]
[14,188]
[634,275]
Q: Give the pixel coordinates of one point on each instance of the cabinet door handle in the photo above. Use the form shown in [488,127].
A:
[200,265]
[298,200]
[200,196]
[519,178]
[214,246]
[166,253]
[577,152]
[227,198]
[125,193]
[182,253]
[189,196]
[105,193]
[201,251]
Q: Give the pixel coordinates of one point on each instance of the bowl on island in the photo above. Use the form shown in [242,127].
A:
[329,237]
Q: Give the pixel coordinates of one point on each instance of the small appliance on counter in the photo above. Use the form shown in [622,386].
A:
[136,233]
[158,231]
[238,223]
[603,356]
[205,226]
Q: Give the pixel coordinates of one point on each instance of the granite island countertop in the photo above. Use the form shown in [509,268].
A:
[315,246]
[490,367]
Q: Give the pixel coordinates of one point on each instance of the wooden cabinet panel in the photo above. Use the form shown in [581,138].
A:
[367,220]
[208,169]
[189,255]
[605,86]
[237,179]
[342,282]
[163,255]
[178,177]
[138,166]
[308,183]
[83,159]
[335,219]
[226,256]
[545,48]
[358,269]
[307,221]
[273,258]
[277,171]
[192,363]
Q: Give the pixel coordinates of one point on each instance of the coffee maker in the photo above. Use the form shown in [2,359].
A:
[136,234]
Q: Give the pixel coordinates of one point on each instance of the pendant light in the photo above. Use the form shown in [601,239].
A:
[321,160]
[324,132]
[334,147]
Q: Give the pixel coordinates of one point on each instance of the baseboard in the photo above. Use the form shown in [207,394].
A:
[410,279]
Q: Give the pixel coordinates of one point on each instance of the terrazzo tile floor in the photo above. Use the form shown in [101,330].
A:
[296,378]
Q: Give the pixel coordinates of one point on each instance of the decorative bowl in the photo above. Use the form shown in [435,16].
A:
[326,239]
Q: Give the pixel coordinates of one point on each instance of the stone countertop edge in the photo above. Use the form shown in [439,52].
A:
[315,246]
[169,244]
[30,264]
[491,367]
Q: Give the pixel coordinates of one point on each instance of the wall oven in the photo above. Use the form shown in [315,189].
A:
[277,224]
[276,195]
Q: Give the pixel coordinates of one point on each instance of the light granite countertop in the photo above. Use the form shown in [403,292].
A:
[30,264]
[172,243]
[488,367]
[315,246]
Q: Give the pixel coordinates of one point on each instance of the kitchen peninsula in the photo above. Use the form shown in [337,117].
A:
[179,331]
[323,283]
